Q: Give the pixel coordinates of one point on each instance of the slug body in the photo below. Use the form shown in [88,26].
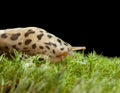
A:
[34,40]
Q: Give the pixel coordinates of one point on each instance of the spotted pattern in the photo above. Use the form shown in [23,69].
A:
[54,44]
[49,36]
[59,41]
[53,51]
[47,47]
[28,41]
[39,36]
[30,31]
[4,36]
[34,46]
[15,36]
[50,44]
[65,43]
[19,43]
[41,31]
[41,47]
[25,49]
[47,43]
[61,48]
[34,38]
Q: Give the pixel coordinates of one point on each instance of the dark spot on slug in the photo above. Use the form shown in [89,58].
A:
[69,49]
[59,41]
[28,41]
[34,46]
[30,31]
[53,51]
[65,43]
[47,43]
[4,35]
[15,47]
[61,48]
[49,36]
[54,44]
[50,43]
[19,43]
[47,47]
[41,47]
[15,36]
[25,49]
[41,31]
[40,36]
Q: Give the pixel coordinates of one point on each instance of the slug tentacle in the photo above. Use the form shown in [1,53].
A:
[78,48]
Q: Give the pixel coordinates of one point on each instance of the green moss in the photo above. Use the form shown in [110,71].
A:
[89,73]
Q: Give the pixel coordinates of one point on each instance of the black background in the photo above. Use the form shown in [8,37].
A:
[94,26]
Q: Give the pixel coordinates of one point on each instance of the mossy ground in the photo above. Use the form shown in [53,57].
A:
[89,73]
